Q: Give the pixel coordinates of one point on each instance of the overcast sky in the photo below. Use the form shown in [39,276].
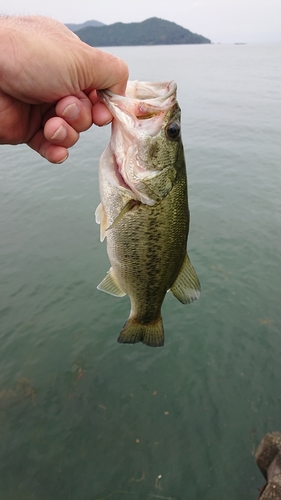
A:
[220,20]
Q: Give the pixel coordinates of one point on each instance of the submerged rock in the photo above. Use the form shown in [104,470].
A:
[268,459]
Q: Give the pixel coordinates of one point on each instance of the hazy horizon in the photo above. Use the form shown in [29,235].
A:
[235,21]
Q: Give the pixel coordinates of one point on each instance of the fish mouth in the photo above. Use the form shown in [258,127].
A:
[142,100]
[137,117]
[132,190]
[119,177]
[150,90]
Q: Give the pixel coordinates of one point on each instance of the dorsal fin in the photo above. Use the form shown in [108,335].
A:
[186,288]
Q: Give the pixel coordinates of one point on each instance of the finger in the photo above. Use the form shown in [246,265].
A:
[52,152]
[105,71]
[76,111]
[57,131]
[101,115]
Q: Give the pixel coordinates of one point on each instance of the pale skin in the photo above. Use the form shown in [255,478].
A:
[48,83]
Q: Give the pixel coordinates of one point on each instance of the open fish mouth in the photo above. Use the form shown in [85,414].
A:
[143,100]
[116,178]
[138,117]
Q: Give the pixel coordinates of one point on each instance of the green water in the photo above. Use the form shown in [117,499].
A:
[85,418]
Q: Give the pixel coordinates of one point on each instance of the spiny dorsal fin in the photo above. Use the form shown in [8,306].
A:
[110,285]
[186,288]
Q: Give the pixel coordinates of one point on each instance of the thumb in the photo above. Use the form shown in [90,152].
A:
[104,71]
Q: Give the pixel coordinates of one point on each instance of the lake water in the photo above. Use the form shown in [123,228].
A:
[85,418]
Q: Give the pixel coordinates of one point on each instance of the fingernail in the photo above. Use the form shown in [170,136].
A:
[106,123]
[59,135]
[71,111]
[61,161]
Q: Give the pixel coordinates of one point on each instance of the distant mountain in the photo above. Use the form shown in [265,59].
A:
[153,31]
[76,27]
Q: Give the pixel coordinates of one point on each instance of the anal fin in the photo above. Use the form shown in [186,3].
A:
[110,285]
[186,288]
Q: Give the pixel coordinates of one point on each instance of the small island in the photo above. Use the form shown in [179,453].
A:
[153,31]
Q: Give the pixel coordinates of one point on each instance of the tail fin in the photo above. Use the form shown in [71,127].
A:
[151,334]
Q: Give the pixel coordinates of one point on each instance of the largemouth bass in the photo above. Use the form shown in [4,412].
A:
[144,211]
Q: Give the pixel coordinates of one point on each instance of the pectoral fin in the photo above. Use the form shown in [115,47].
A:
[102,220]
[186,288]
[110,285]
[131,204]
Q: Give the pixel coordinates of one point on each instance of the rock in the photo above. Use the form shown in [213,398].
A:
[268,459]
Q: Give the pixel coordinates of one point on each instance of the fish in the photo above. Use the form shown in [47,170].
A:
[144,212]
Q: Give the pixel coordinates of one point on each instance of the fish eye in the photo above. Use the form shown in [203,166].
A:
[173,130]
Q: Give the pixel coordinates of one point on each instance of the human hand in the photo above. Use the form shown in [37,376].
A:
[48,83]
